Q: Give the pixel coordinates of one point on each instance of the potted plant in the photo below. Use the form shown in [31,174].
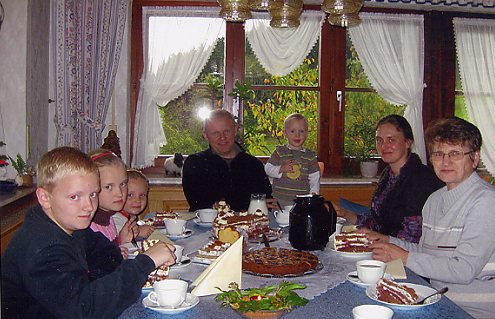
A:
[24,172]
[363,137]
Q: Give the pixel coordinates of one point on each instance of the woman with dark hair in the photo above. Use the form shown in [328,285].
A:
[456,249]
[403,188]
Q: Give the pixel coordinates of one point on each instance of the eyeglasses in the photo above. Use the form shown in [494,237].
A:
[453,155]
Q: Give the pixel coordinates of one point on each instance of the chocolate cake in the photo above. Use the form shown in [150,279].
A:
[351,242]
[255,225]
[279,261]
[391,292]
[159,219]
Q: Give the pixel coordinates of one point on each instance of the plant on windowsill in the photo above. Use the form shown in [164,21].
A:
[3,163]
[363,148]
[24,171]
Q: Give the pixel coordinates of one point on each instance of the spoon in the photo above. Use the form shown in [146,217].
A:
[441,292]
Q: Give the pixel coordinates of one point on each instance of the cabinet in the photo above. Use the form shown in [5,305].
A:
[171,197]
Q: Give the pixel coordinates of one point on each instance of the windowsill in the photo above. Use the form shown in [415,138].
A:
[156,179]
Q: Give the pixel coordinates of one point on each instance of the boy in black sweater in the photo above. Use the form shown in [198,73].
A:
[57,267]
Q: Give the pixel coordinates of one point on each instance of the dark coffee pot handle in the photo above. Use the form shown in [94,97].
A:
[331,210]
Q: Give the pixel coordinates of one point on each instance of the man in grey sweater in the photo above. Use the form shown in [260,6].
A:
[456,249]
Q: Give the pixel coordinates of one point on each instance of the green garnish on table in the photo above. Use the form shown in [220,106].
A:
[279,297]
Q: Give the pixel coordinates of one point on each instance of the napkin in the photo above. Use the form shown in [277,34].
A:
[225,269]
[396,269]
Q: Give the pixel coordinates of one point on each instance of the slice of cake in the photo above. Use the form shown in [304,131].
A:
[161,273]
[351,242]
[391,292]
[159,219]
[211,251]
[148,243]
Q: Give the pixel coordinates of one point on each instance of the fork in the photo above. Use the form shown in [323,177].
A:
[438,292]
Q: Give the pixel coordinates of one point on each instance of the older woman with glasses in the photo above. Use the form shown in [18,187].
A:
[457,248]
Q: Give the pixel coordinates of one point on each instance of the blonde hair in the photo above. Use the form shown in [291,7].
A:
[61,162]
[135,174]
[295,116]
[103,157]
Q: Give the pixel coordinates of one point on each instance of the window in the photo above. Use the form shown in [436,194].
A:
[331,137]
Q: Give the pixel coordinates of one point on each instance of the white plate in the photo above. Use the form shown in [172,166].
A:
[421,291]
[184,262]
[201,260]
[367,254]
[190,302]
[198,222]
[187,233]
[357,282]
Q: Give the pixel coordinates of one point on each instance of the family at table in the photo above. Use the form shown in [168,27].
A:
[67,259]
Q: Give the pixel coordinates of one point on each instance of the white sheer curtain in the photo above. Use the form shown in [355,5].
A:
[180,42]
[281,51]
[391,50]
[475,43]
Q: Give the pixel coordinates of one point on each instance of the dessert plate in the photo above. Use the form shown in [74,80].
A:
[184,262]
[187,233]
[352,278]
[190,302]
[198,222]
[201,259]
[421,291]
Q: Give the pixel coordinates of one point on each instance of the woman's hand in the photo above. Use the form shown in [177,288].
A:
[344,213]
[387,252]
[373,236]
[162,254]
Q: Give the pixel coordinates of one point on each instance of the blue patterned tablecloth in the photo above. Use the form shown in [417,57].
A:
[337,302]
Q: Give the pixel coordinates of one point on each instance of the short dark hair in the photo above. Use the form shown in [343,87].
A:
[400,123]
[454,131]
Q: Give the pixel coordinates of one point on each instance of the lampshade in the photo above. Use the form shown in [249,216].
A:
[259,5]
[335,7]
[285,13]
[344,20]
[235,10]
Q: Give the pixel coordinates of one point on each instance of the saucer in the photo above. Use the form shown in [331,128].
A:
[358,282]
[190,302]
[283,225]
[187,233]
[198,222]
[184,262]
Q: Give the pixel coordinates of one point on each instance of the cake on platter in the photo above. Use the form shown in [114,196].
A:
[254,225]
[391,292]
[351,242]
[279,262]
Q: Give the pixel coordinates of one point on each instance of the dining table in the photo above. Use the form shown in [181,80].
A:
[329,292]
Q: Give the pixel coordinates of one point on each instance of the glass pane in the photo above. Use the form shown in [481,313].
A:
[256,74]
[264,118]
[362,111]
[460,107]
[180,120]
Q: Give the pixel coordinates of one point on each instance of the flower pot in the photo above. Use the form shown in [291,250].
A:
[369,169]
[3,173]
[25,180]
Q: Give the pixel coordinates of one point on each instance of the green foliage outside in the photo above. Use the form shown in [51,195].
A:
[264,114]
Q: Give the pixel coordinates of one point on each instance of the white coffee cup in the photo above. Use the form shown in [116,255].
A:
[282,217]
[370,271]
[206,215]
[178,253]
[372,312]
[175,226]
[168,293]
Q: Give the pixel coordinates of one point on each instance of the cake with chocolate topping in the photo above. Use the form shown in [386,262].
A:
[391,292]
[159,219]
[351,243]
[253,224]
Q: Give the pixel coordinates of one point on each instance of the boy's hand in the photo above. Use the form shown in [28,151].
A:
[286,167]
[162,254]
[145,231]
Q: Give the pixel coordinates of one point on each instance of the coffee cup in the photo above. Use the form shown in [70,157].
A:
[175,226]
[178,253]
[168,293]
[282,217]
[206,215]
[372,312]
[370,271]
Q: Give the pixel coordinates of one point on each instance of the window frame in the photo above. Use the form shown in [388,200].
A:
[439,71]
